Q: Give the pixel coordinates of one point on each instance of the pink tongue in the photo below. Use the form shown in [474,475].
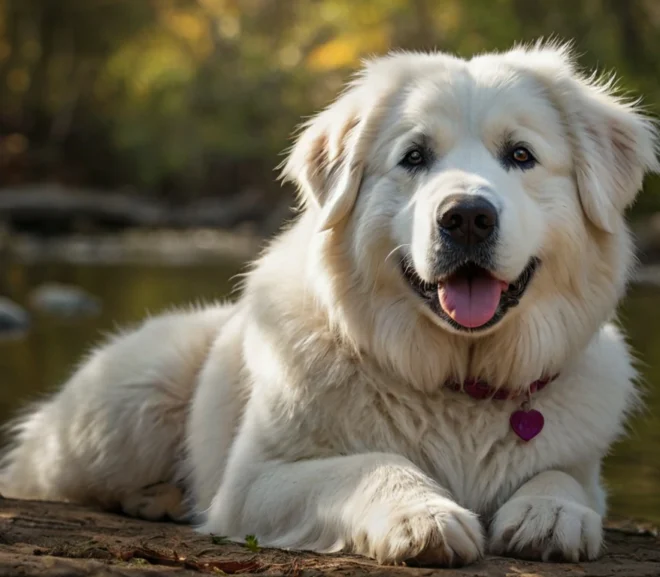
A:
[471,303]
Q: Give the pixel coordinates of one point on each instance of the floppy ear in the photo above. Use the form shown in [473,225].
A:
[327,161]
[614,143]
[615,146]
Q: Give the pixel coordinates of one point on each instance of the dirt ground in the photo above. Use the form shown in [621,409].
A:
[50,539]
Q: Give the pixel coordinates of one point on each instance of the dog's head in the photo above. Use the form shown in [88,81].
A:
[490,192]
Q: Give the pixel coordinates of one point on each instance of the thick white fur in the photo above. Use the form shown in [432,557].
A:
[311,413]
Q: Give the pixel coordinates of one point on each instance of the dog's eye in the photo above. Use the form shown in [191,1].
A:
[414,158]
[521,157]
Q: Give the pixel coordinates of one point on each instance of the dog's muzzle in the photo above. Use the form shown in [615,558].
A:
[465,290]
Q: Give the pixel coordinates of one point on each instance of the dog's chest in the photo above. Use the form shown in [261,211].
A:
[467,445]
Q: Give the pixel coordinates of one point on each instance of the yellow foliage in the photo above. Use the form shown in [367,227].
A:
[448,19]
[346,50]
[190,26]
[229,26]
[220,7]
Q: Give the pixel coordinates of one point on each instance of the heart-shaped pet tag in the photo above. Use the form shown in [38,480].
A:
[527,424]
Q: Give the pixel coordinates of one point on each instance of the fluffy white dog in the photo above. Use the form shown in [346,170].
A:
[421,365]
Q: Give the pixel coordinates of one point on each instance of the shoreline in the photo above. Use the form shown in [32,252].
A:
[161,246]
[196,246]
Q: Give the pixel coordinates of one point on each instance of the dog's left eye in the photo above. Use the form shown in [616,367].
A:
[521,157]
[413,159]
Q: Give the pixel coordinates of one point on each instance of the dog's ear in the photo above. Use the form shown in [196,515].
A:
[615,146]
[614,143]
[327,160]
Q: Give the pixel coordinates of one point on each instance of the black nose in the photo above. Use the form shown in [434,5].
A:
[467,219]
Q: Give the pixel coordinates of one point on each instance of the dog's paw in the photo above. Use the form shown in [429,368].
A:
[162,501]
[546,528]
[436,532]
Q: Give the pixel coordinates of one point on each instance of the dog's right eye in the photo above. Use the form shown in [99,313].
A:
[413,159]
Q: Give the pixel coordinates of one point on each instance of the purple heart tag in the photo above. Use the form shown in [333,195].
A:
[527,424]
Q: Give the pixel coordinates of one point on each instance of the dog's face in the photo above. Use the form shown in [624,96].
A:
[476,163]
[483,190]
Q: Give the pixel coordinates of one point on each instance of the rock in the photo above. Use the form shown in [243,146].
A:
[64,300]
[48,539]
[14,320]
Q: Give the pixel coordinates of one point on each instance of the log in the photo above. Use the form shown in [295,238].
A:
[53,210]
[56,539]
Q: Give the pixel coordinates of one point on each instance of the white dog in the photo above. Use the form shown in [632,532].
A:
[378,387]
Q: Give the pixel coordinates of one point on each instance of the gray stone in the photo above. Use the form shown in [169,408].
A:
[14,320]
[64,300]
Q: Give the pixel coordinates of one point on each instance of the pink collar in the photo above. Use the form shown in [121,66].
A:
[525,421]
[482,390]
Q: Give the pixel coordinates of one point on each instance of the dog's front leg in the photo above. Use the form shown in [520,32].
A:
[548,518]
[375,504]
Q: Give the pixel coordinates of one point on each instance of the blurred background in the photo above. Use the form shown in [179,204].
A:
[138,141]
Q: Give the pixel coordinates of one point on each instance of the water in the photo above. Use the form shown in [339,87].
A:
[45,357]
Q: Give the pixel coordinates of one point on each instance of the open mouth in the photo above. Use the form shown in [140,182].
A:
[471,298]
